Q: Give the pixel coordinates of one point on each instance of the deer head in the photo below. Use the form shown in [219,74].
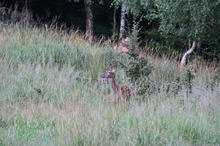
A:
[110,73]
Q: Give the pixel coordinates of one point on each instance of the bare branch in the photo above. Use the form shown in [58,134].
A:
[183,60]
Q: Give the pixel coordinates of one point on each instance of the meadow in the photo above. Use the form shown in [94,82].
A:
[42,102]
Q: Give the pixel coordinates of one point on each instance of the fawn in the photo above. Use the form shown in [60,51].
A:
[118,92]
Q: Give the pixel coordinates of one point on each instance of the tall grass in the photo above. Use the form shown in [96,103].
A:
[42,102]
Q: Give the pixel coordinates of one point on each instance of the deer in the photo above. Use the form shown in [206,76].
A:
[120,48]
[122,45]
[118,92]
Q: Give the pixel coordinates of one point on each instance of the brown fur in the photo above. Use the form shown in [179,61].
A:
[124,92]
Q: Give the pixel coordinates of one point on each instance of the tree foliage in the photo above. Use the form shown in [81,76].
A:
[186,18]
[135,7]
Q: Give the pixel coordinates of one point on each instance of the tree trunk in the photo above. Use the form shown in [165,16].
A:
[183,60]
[89,20]
[122,24]
[26,5]
[114,25]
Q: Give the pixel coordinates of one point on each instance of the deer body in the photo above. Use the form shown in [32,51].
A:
[122,45]
[118,92]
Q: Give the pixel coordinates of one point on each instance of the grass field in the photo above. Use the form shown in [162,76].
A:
[43,103]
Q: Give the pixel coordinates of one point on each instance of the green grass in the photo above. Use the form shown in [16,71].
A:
[43,103]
